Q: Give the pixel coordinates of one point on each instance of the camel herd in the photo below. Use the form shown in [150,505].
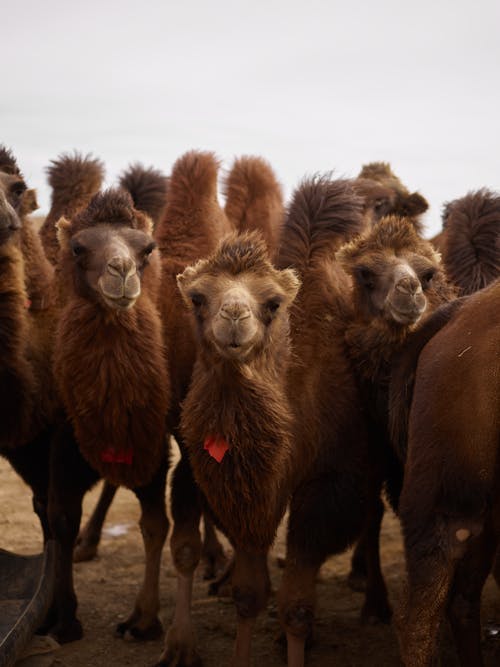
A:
[312,358]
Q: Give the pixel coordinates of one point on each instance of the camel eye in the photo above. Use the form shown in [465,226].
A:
[273,305]
[428,276]
[149,249]
[77,249]
[18,189]
[197,299]
[366,277]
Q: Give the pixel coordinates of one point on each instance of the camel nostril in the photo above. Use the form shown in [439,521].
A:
[234,311]
[122,267]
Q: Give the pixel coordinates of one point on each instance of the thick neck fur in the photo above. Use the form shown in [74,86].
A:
[111,372]
[244,403]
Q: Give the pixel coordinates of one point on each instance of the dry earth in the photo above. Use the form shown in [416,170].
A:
[107,586]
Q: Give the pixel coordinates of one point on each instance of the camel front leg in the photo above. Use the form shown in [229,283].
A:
[144,624]
[250,590]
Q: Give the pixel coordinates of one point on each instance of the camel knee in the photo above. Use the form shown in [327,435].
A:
[297,618]
[186,558]
[249,600]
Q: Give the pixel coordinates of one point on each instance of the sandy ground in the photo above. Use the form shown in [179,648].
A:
[106,589]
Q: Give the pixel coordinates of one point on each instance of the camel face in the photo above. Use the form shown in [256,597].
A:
[109,261]
[393,272]
[12,189]
[237,311]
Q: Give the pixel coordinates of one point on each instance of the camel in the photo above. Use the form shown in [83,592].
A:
[111,373]
[398,281]
[236,421]
[449,504]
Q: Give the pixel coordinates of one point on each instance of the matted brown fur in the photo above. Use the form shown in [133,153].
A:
[148,189]
[401,201]
[8,163]
[254,199]
[245,402]
[74,179]
[110,366]
[471,240]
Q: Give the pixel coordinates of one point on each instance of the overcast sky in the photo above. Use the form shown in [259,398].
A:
[309,85]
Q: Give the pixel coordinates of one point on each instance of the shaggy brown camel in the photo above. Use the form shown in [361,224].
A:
[112,376]
[450,502]
[236,420]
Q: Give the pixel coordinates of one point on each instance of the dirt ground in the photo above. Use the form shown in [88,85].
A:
[106,589]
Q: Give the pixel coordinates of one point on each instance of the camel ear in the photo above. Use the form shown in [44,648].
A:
[62,230]
[185,279]
[345,255]
[29,202]
[290,282]
[414,204]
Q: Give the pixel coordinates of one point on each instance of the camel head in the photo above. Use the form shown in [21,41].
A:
[15,197]
[238,299]
[107,248]
[396,274]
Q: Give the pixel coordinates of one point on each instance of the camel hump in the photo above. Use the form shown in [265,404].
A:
[471,249]
[254,198]
[74,179]
[193,177]
[323,215]
[148,189]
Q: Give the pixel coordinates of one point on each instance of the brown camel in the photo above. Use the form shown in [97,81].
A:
[450,502]
[111,371]
[398,281]
[236,420]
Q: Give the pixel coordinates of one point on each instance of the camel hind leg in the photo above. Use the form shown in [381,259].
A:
[89,537]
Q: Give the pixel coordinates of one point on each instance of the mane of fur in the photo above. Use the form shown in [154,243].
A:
[111,207]
[254,199]
[74,180]
[471,247]
[111,373]
[148,189]
[322,215]
[193,221]
[8,163]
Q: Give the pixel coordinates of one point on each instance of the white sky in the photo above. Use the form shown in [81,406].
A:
[309,85]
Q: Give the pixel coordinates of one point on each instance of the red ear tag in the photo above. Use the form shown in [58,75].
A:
[216,447]
[111,455]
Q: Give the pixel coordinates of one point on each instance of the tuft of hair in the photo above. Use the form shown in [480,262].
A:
[8,163]
[238,253]
[392,233]
[471,245]
[254,198]
[111,207]
[148,189]
[322,215]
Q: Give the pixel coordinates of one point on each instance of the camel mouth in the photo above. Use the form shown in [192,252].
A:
[119,303]
[410,316]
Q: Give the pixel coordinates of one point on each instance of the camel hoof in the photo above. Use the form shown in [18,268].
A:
[375,614]
[64,633]
[179,656]
[130,631]
[84,551]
